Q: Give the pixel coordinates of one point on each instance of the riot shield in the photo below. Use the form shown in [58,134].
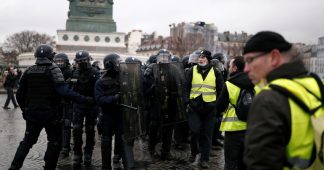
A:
[168,79]
[179,79]
[131,99]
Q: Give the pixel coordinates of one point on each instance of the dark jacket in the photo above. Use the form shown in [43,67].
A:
[269,123]
[10,81]
[198,104]
[105,89]
[85,84]
[239,79]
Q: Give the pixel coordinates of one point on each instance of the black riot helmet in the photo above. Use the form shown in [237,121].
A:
[44,54]
[220,57]
[82,59]
[151,60]
[132,60]
[163,56]
[193,58]
[111,62]
[175,59]
[82,56]
[62,60]
[97,65]
[185,60]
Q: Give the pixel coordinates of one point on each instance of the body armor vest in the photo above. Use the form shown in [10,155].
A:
[111,86]
[85,82]
[40,90]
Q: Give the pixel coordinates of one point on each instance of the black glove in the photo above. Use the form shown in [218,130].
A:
[116,98]
[89,100]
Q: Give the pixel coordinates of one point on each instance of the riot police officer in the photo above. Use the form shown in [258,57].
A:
[147,92]
[151,60]
[83,82]
[107,91]
[39,94]
[62,61]
[163,79]
[175,59]
[185,62]
[193,58]
[97,65]
[219,57]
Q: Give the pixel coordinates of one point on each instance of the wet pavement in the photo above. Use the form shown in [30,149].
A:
[12,128]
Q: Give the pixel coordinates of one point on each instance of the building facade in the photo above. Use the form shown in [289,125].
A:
[187,37]
[314,57]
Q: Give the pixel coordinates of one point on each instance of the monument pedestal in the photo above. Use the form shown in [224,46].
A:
[90,41]
[93,42]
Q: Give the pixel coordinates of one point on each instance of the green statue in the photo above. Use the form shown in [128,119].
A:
[91,16]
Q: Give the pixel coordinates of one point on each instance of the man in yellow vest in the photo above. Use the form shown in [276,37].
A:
[234,124]
[203,85]
[279,133]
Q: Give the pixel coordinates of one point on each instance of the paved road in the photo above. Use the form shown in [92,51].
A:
[12,128]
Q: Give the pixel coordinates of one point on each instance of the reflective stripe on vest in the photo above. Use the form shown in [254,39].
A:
[230,121]
[206,88]
[301,143]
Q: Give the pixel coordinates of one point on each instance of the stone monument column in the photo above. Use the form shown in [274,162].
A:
[91,16]
[90,26]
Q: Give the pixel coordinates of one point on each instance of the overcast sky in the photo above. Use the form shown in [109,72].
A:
[297,20]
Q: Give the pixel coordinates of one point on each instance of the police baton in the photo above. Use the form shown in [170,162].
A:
[130,107]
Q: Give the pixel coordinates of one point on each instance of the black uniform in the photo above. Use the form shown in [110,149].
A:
[107,95]
[163,108]
[67,110]
[83,82]
[105,89]
[39,94]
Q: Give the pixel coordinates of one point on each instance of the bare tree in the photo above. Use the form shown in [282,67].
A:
[26,41]
[9,57]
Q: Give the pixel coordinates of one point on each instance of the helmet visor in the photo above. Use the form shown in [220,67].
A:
[163,58]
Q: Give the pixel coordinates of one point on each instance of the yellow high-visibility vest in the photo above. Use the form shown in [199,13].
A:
[230,121]
[301,143]
[206,88]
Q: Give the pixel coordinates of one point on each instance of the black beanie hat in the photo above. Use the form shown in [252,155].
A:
[207,54]
[265,41]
